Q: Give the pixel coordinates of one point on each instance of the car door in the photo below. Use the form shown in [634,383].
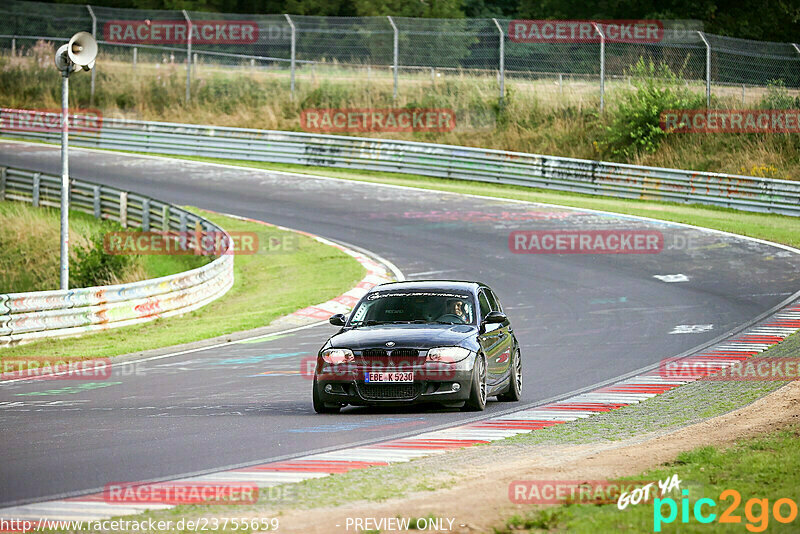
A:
[490,339]
[505,345]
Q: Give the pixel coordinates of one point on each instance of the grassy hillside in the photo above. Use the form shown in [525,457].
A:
[31,247]
[539,116]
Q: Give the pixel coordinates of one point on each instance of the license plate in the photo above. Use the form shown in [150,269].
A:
[403,376]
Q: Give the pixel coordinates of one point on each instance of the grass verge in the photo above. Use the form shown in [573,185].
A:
[267,285]
[761,470]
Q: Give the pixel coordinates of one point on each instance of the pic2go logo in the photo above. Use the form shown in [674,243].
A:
[756,511]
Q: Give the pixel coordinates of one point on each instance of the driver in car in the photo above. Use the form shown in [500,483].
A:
[456,307]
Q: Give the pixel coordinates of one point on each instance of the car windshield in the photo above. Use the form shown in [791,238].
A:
[414,307]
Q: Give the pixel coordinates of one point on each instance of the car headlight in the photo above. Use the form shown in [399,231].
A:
[337,355]
[447,354]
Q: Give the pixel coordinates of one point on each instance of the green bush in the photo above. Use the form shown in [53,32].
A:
[96,267]
[635,124]
[778,97]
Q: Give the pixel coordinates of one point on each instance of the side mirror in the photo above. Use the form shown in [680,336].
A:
[338,320]
[492,317]
[495,317]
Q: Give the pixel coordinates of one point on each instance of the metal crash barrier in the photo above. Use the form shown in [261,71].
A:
[40,314]
[443,161]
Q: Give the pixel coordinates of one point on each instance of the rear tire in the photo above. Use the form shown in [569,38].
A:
[477,395]
[514,392]
[323,407]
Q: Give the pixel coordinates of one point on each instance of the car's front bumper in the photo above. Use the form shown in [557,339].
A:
[431,385]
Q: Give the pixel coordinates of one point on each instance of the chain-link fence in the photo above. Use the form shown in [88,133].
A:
[399,50]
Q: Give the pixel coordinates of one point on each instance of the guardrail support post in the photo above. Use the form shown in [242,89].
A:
[188,53]
[708,69]
[94,69]
[37,180]
[3,173]
[502,61]
[146,215]
[165,218]
[182,231]
[602,65]
[123,209]
[395,54]
[97,205]
[293,50]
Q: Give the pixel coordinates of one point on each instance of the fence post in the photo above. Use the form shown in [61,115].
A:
[36,189]
[94,70]
[96,202]
[502,61]
[165,216]
[188,53]
[293,48]
[13,46]
[123,209]
[134,58]
[796,47]
[146,215]
[708,69]
[602,65]
[396,48]
[182,230]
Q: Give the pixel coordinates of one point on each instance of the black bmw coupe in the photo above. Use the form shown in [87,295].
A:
[432,341]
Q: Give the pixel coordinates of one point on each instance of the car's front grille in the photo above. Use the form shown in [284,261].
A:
[405,353]
[387,391]
[395,358]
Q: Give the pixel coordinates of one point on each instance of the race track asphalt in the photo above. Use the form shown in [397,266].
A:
[580,318]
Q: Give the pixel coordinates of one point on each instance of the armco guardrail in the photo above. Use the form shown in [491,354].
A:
[28,316]
[444,161]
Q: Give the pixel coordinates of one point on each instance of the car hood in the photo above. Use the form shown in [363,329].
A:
[404,336]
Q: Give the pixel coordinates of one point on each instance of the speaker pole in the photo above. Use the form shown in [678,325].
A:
[65,179]
[79,53]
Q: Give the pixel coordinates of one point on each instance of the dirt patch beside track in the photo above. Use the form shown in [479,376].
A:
[479,501]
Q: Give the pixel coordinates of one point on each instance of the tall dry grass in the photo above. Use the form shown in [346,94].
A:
[30,248]
[536,116]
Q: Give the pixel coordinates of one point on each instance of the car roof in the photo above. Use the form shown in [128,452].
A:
[463,285]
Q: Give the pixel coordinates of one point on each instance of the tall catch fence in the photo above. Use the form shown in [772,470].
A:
[401,50]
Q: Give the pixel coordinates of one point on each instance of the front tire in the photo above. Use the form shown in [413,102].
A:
[477,395]
[514,392]
[322,407]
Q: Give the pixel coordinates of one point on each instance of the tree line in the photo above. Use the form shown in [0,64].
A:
[765,20]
